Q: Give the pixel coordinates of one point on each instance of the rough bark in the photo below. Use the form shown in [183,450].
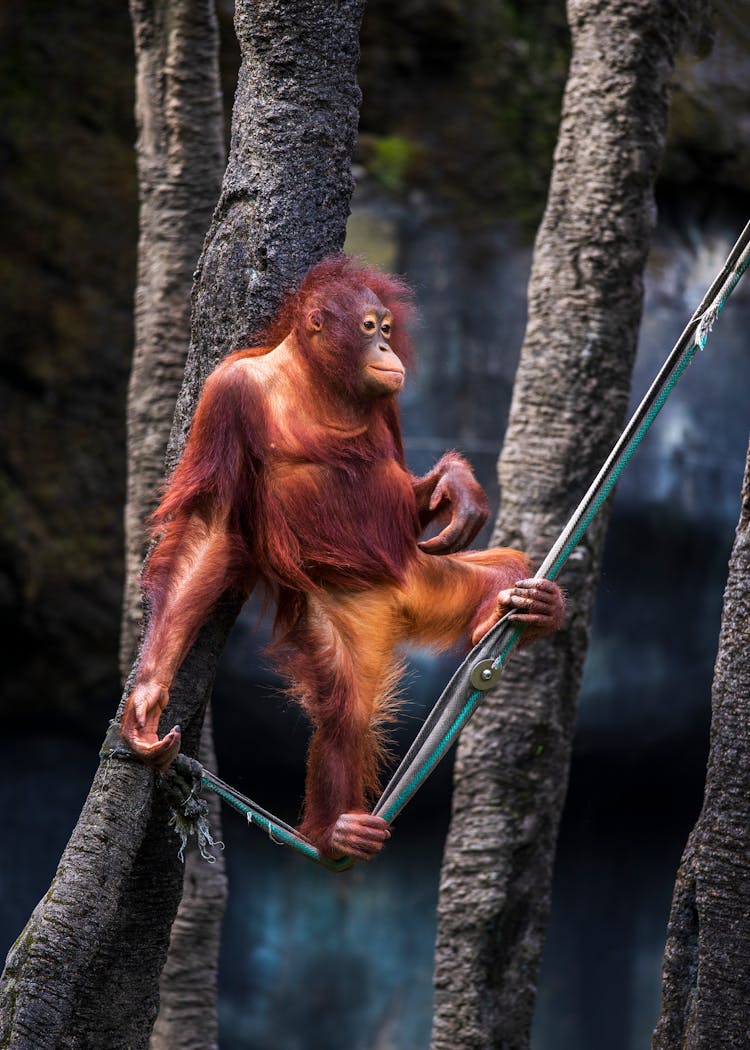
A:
[569,404]
[181,159]
[706,974]
[188,984]
[84,972]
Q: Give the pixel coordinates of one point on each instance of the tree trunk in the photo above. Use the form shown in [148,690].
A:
[181,158]
[84,972]
[188,985]
[569,404]
[706,975]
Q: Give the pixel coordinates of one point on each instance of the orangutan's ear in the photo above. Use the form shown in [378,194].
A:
[315,321]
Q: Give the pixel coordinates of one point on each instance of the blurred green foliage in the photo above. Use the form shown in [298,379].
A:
[465,99]
[393,158]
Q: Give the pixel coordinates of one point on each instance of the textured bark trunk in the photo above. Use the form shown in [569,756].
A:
[188,985]
[569,403]
[181,160]
[706,975]
[84,972]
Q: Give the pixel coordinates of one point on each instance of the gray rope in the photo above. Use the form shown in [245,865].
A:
[188,811]
[181,784]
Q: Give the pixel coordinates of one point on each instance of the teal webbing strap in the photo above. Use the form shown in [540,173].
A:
[692,339]
[440,730]
[435,739]
[278,831]
[460,700]
[622,462]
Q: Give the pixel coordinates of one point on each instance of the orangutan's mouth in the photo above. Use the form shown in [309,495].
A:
[388,371]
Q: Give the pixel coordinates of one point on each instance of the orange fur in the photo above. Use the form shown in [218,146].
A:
[344,663]
[295,476]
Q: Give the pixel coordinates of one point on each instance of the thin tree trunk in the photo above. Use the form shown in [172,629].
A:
[84,972]
[181,159]
[188,985]
[706,975]
[569,404]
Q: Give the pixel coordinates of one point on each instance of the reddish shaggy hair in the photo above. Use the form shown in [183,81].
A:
[334,288]
[228,448]
[283,481]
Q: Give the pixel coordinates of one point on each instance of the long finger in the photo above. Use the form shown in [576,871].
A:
[372,839]
[357,847]
[357,834]
[362,818]
[454,537]
[354,833]
[438,545]
[161,753]
[528,597]
[438,494]
[541,619]
[362,842]
[539,584]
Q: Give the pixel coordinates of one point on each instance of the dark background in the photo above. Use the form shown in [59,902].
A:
[458,124]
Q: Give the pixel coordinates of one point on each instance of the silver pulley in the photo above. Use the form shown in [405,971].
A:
[484,675]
